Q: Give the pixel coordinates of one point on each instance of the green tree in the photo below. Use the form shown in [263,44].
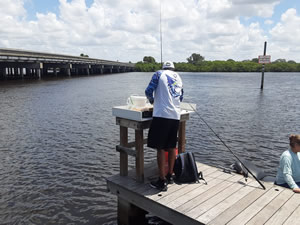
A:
[280,61]
[148,59]
[224,66]
[195,58]
[83,55]
[254,60]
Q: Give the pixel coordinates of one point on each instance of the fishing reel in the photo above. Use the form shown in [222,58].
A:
[238,167]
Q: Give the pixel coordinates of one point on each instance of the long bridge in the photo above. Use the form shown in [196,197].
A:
[21,64]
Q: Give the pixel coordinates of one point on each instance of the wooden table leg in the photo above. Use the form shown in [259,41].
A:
[139,161]
[181,137]
[123,155]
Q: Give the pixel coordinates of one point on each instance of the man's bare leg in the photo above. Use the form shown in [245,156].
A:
[161,163]
[171,159]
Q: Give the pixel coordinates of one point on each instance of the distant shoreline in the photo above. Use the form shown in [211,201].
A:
[223,66]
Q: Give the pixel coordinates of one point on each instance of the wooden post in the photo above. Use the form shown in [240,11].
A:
[129,214]
[139,161]
[263,69]
[123,155]
[181,137]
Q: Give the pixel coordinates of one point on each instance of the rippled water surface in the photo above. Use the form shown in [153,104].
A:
[58,137]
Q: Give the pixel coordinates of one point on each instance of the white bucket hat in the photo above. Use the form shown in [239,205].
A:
[168,65]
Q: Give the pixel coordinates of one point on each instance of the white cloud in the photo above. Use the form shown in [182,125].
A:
[12,8]
[237,8]
[285,36]
[268,22]
[128,30]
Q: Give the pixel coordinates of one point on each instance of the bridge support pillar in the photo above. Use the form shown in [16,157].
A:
[55,71]
[45,71]
[38,73]
[68,71]
[33,73]
[3,73]
[22,72]
[28,72]
[15,72]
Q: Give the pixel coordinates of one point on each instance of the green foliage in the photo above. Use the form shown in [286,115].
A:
[280,60]
[195,58]
[148,59]
[147,67]
[224,66]
[83,55]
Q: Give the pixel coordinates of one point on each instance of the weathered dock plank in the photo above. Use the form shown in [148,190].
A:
[216,199]
[255,207]
[271,208]
[285,211]
[188,196]
[294,218]
[227,203]
[226,199]
[197,187]
[205,195]
[237,208]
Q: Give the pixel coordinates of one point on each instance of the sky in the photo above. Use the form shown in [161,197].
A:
[128,30]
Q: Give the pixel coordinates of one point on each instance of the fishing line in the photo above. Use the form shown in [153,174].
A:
[227,146]
[160,30]
[161,53]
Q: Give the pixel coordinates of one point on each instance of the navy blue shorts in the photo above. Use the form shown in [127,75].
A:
[163,133]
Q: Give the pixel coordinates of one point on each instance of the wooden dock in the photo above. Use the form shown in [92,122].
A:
[226,199]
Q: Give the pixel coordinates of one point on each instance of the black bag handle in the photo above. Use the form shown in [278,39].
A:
[200,176]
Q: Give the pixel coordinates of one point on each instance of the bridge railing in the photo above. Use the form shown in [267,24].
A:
[22,55]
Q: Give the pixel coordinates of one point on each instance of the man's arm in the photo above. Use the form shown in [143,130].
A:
[152,86]
[287,173]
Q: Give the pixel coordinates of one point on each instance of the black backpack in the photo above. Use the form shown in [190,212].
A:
[185,169]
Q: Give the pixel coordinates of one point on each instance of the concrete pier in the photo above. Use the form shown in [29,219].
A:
[19,64]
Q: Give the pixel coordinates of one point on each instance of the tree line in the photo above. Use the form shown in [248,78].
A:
[197,63]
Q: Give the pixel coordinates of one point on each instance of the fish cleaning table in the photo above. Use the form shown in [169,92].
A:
[133,119]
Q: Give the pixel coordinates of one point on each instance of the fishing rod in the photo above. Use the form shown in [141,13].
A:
[160,30]
[228,147]
[161,53]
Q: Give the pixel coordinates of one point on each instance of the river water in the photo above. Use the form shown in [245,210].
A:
[58,137]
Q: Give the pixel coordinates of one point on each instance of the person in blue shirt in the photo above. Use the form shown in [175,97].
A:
[166,85]
[288,174]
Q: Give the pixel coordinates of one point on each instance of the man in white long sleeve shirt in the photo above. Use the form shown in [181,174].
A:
[166,85]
